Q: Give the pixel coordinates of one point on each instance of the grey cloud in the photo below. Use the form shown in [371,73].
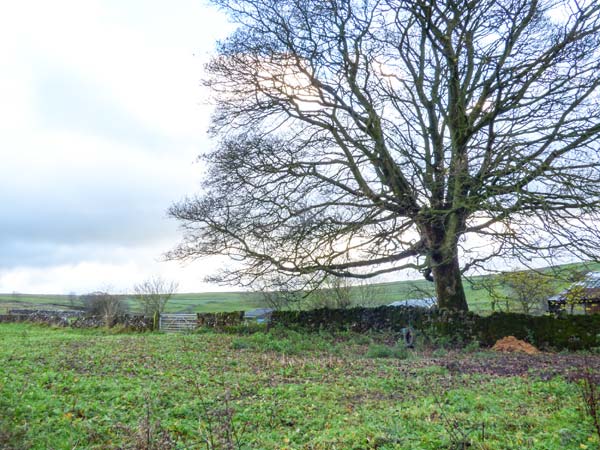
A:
[128,210]
[40,253]
[120,224]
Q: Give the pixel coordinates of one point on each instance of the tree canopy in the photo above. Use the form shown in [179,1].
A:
[361,137]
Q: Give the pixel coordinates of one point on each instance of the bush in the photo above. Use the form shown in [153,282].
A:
[105,305]
[238,344]
[384,351]
[439,353]
[379,351]
[472,347]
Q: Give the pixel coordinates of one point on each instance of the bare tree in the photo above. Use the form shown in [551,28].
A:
[74,302]
[153,295]
[367,293]
[400,134]
[279,293]
[105,305]
[332,292]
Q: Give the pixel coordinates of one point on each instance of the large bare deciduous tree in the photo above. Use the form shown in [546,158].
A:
[361,137]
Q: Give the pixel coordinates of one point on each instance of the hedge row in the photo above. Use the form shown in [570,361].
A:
[546,332]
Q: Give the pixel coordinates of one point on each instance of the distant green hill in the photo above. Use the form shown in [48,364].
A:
[378,294]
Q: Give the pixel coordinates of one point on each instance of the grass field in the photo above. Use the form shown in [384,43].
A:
[384,293]
[73,389]
[190,302]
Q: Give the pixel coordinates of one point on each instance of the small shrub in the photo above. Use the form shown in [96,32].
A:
[438,341]
[439,353]
[379,351]
[384,351]
[238,344]
[400,351]
[472,347]
[361,339]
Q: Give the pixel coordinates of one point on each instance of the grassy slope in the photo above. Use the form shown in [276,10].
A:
[64,388]
[190,302]
[384,293]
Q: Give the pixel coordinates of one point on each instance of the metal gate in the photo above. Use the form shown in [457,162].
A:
[178,323]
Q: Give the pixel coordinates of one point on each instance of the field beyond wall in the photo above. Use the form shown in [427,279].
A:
[380,294]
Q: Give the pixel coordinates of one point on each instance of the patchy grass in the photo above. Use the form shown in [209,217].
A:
[86,389]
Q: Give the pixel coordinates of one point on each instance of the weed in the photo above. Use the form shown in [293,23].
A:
[590,394]
[458,432]
[530,336]
[401,352]
[219,428]
[149,434]
[238,344]
[472,347]
[439,353]
[433,339]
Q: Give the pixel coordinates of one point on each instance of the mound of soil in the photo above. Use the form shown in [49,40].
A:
[513,345]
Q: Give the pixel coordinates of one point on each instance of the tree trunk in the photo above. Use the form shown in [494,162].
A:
[448,284]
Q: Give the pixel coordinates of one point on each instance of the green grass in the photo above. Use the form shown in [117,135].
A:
[384,293]
[214,302]
[66,389]
[8,301]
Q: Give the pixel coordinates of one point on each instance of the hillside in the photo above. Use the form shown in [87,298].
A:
[378,294]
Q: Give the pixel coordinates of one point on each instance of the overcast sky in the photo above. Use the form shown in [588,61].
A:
[101,119]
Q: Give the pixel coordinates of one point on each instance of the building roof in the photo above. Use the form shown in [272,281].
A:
[426,302]
[260,312]
[591,290]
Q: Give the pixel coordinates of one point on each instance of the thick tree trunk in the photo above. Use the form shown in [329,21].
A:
[448,284]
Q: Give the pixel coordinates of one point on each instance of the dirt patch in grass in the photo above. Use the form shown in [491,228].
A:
[542,365]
